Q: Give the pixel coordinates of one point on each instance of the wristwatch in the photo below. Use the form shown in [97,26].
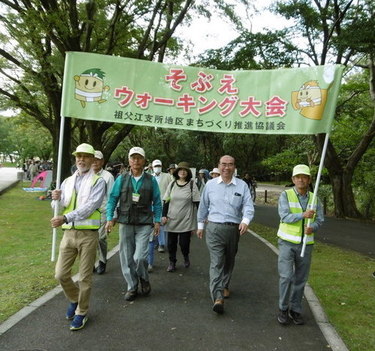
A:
[65,219]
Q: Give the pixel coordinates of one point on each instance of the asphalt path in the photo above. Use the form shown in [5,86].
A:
[178,313]
[348,234]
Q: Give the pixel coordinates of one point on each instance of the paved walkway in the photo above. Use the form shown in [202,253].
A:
[8,178]
[177,315]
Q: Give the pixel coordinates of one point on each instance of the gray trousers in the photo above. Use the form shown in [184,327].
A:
[222,242]
[103,246]
[293,274]
[133,253]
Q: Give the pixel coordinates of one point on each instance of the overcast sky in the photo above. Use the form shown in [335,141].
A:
[216,33]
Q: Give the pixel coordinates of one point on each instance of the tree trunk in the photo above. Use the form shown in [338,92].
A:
[67,158]
[341,181]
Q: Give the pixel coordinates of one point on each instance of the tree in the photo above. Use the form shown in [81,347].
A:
[39,32]
[338,32]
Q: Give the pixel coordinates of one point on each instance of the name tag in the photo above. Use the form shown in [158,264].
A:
[135,197]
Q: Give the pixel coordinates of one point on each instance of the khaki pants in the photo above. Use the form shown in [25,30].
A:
[81,243]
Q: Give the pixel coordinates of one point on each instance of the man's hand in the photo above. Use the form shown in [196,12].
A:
[243,228]
[109,226]
[308,230]
[164,220]
[308,214]
[56,194]
[200,233]
[57,221]
[156,229]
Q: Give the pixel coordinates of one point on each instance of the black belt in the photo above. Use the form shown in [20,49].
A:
[226,223]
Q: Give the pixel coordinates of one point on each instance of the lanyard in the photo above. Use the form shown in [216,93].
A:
[137,184]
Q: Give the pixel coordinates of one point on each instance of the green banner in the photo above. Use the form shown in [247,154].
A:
[124,90]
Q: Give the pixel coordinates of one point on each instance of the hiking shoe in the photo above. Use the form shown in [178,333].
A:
[101,268]
[161,249]
[145,287]
[70,313]
[171,267]
[218,306]
[131,295]
[296,317]
[186,262]
[150,268]
[79,322]
[283,317]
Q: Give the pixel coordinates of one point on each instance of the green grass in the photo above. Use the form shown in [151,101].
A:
[341,279]
[343,282]
[26,269]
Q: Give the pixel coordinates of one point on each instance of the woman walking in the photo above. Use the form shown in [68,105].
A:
[181,201]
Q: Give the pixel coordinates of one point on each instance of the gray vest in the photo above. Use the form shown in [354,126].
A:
[136,213]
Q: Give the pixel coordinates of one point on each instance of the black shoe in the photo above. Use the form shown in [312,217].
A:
[218,306]
[145,287]
[373,274]
[131,295]
[283,317]
[186,262]
[101,268]
[171,267]
[296,317]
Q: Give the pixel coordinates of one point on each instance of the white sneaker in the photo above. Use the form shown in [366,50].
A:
[161,248]
[150,268]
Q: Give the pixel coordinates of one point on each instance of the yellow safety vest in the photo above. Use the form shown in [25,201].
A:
[91,222]
[293,232]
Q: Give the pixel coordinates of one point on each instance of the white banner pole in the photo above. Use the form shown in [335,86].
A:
[58,182]
[316,188]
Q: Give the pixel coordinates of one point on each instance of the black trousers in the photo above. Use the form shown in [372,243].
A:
[184,241]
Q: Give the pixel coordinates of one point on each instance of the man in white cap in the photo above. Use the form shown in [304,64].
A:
[163,180]
[81,196]
[299,217]
[97,166]
[139,213]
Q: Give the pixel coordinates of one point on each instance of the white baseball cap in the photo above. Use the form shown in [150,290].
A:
[98,155]
[156,163]
[301,169]
[137,150]
[85,149]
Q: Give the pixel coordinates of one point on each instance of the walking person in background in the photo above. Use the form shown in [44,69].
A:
[215,173]
[170,170]
[227,208]
[201,180]
[97,167]
[180,213]
[139,213]
[81,196]
[163,180]
[296,209]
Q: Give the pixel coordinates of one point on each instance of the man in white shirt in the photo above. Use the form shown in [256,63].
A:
[227,208]
[163,180]
[97,167]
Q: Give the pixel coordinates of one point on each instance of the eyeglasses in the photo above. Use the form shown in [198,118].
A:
[229,165]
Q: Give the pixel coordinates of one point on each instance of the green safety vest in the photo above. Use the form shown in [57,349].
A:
[293,232]
[91,222]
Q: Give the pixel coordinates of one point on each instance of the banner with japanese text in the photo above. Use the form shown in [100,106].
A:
[124,90]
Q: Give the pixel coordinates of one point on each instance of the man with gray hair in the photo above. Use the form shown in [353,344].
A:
[227,208]
[97,167]
[81,196]
[139,213]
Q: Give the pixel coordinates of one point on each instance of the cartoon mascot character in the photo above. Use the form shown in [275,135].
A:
[89,86]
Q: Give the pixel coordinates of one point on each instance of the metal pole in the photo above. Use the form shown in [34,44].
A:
[316,188]
[58,181]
